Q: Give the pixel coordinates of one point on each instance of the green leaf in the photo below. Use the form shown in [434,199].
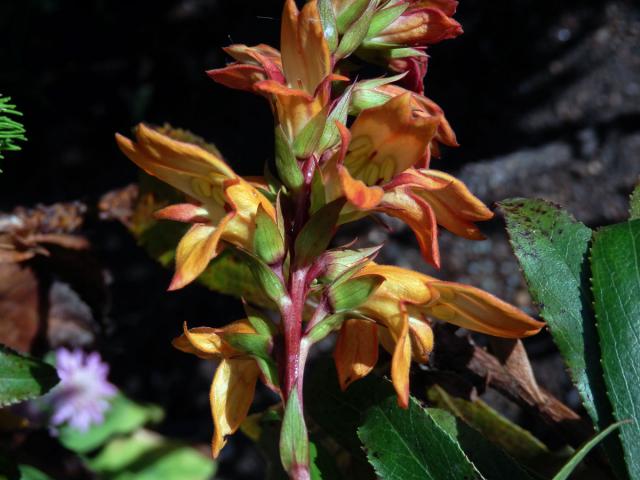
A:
[356,33]
[385,17]
[582,452]
[350,294]
[294,440]
[316,234]
[148,456]
[123,417]
[351,13]
[286,163]
[552,247]
[329,23]
[268,244]
[27,472]
[259,347]
[267,280]
[260,322]
[517,442]
[339,112]
[23,378]
[343,262]
[634,204]
[615,263]
[409,444]
[324,328]
[309,137]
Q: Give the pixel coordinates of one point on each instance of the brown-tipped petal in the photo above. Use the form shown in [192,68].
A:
[196,249]
[448,7]
[477,310]
[356,351]
[231,394]
[419,27]
[419,216]
[201,341]
[357,193]
[183,212]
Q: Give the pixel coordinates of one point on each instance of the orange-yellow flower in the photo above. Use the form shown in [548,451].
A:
[402,304]
[226,204]
[233,385]
[376,172]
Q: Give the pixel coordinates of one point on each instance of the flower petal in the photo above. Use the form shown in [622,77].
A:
[401,362]
[201,341]
[357,193]
[356,350]
[477,310]
[419,216]
[183,212]
[196,249]
[231,394]
[388,139]
[421,336]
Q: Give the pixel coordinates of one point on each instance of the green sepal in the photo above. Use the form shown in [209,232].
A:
[356,33]
[286,163]
[350,14]
[365,96]
[634,204]
[259,347]
[266,278]
[260,322]
[294,440]
[324,328]
[307,140]
[23,378]
[385,17]
[331,134]
[268,243]
[318,197]
[352,293]
[316,234]
[329,23]
[343,263]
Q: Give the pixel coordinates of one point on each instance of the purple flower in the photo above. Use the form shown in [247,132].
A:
[82,396]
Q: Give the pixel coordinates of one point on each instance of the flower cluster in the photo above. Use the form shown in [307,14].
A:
[345,148]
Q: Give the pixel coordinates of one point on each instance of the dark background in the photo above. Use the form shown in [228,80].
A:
[543,95]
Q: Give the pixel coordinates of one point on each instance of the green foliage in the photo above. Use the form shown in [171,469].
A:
[294,440]
[286,163]
[11,131]
[124,416]
[28,472]
[615,262]
[552,249]
[23,378]
[634,204]
[314,238]
[268,243]
[148,456]
[577,457]
[329,23]
[350,294]
[356,33]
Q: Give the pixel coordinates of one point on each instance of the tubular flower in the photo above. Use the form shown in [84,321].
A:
[401,305]
[296,83]
[375,173]
[226,204]
[233,385]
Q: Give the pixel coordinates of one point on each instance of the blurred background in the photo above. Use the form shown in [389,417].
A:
[543,95]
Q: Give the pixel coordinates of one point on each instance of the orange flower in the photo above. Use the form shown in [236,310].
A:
[402,304]
[233,385]
[226,206]
[376,172]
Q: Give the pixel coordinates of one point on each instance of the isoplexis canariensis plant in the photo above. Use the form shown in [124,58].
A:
[346,147]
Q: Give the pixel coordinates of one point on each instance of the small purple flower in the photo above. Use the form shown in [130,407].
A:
[82,396]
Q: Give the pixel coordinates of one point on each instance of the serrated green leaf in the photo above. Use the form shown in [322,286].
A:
[268,244]
[23,378]
[315,236]
[350,294]
[634,204]
[123,417]
[294,440]
[582,452]
[356,33]
[615,263]
[552,247]
[286,163]
[407,444]
[149,456]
